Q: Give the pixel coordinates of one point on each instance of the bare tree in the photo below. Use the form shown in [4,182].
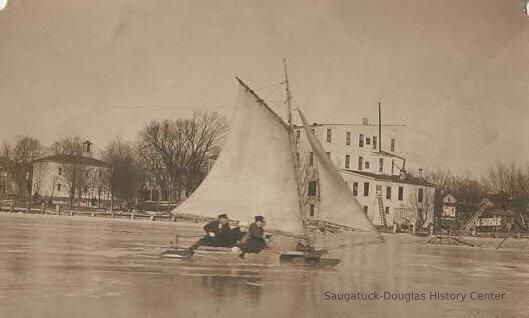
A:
[125,175]
[69,145]
[175,153]
[424,207]
[510,180]
[21,155]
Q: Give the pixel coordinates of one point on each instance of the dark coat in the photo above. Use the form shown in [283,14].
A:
[253,241]
[215,227]
[224,235]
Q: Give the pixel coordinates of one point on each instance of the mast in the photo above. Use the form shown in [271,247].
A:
[379,128]
[289,94]
[293,150]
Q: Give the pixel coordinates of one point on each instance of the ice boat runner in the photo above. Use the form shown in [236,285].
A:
[256,173]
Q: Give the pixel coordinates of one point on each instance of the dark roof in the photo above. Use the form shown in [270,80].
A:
[384,177]
[499,212]
[73,159]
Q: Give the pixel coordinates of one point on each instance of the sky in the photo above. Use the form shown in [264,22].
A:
[456,73]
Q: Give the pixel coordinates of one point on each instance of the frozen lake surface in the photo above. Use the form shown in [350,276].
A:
[57,266]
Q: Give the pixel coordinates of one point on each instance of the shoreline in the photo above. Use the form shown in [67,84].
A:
[511,243]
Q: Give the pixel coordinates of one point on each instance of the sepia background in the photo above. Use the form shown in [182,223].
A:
[455,72]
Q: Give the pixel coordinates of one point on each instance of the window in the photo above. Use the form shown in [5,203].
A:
[360,163]
[387,210]
[366,189]
[392,144]
[365,209]
[401,193]
[374,142]
[329,135]
[380,164]
[355,189]
[60,171]
[347,161]
[59,187]
[297,156]
[100,173]
[392,166]
[348,138]
[360,140]
[85,189]
[388,193]
[367,164]
[311,158]
[312,188]
[329,154]
[420,195]
[312,210]
[298,135]
[368,141]
[312,129]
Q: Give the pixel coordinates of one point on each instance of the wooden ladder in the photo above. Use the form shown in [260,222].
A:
[476,215]
[382,211]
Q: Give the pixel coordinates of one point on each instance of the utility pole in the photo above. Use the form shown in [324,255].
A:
[379,128]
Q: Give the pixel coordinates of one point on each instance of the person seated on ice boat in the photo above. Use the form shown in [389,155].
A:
[219,234]
[254,240]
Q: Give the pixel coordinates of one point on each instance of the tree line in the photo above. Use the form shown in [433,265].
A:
[171,156]
[504,183]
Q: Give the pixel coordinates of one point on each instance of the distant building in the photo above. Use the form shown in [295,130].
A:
[389,199]
[61,176]
[373,169]
[356,146]
[495,219]
[449,207]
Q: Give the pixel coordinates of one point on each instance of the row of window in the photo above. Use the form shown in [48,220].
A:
[400,194]
[366,164]
[312,191]
[361,141]
[361,163]
[386,209]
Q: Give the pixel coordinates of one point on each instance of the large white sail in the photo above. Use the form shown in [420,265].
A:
[337,204]
[254,173]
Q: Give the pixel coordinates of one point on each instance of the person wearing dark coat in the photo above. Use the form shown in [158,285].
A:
[219,234]
[254,240]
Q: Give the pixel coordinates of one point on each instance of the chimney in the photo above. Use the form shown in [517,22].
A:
[402,174]
[365,121]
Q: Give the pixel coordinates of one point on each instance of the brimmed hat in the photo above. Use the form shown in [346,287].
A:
[225,216]
[259,218]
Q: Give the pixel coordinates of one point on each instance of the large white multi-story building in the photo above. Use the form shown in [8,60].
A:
[367,158]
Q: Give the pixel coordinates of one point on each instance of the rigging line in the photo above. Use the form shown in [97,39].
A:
[268,86]
[272,92]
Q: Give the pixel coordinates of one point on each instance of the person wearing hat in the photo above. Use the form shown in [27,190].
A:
[219,234]
[254,240]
